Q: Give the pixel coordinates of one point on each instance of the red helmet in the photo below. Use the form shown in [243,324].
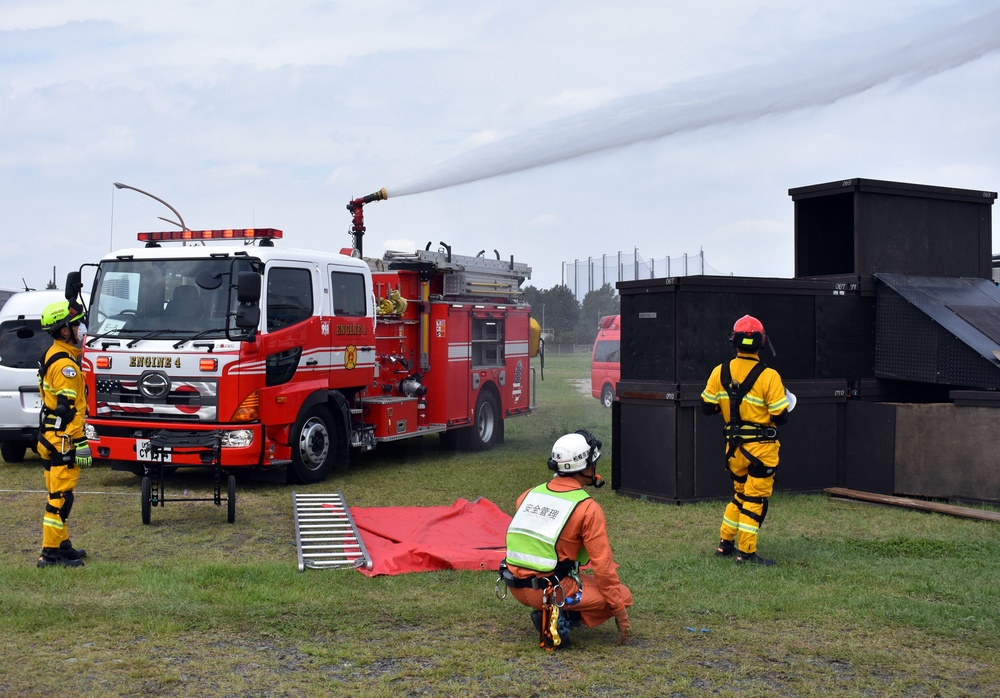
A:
[748,334]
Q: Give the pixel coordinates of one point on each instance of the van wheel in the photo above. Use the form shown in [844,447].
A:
[486,424]
[607,395]
[13,451]
[314,446]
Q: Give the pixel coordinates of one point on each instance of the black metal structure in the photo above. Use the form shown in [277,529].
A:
[891,305]
[208,445]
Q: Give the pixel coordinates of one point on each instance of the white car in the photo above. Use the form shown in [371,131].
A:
[22,345]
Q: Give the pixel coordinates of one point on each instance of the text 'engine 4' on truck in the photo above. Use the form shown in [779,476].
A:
[288,358]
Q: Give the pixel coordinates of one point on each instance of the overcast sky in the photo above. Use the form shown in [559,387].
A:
[549,131]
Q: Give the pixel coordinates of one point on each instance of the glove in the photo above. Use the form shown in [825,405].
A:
[83,454]
[792,400]
[624,626]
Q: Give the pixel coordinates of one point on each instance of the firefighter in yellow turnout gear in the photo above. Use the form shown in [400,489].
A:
[61,441]
[753,403]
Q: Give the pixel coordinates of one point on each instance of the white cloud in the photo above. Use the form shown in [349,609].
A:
[260,112]
[400,245]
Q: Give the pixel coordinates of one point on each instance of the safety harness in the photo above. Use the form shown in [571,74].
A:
[554,623]
[565,568]
[739,432]
[50,420]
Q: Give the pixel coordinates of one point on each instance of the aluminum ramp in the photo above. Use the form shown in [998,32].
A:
[325,534]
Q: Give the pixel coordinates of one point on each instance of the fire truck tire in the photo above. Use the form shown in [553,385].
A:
[314,446]
[607,395]
[147,484]
[13,451]
[486,424]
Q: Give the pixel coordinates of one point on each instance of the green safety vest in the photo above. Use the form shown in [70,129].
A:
[535,528]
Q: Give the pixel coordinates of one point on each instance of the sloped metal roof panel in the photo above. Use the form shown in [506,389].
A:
[941,330]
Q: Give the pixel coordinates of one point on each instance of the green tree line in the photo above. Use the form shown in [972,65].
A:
[570,321]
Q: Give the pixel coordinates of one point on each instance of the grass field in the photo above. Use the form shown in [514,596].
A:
[865,600]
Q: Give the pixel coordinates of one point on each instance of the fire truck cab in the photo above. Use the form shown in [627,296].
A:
[290,358]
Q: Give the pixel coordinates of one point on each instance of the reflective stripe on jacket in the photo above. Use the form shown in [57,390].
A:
[535,528]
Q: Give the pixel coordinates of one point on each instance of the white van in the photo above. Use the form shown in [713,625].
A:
[22,345]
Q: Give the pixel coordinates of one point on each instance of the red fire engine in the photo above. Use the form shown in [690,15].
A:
[251,355]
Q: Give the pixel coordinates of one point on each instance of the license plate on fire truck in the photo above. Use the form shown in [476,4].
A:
[144,452]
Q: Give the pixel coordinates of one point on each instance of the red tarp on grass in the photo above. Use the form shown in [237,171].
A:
[465,536]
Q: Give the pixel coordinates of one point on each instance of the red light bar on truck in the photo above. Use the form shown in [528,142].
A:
[233,234]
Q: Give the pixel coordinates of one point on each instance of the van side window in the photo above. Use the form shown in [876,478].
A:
[349,297]
[22,343]
[607,351]
[289,297]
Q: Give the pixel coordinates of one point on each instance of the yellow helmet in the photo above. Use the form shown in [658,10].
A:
[60,314]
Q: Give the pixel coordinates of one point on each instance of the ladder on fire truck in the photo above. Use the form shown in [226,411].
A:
[463,275]
[325,534]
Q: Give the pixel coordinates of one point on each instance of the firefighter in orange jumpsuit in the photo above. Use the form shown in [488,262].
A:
[753,402]
[61,442]
[558,527]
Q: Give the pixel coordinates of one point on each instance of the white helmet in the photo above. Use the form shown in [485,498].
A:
[574,452]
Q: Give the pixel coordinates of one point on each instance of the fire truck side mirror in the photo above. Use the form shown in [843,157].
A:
[247,317]
[248,294]
[73,285]
[248,287]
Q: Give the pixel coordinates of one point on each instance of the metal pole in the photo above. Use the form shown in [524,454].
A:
[182,224]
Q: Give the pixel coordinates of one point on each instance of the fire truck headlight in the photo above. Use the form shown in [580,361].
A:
[90,432]
[240,438]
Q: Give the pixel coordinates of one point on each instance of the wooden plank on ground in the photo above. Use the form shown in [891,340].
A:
[950,509]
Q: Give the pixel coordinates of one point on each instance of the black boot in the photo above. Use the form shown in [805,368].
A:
[753,559]
[67,550]
[574,618]
[725,549]
[536,620]
[52,556]
[564,627]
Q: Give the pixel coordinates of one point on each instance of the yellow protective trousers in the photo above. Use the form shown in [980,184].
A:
[59,481]
[746,511]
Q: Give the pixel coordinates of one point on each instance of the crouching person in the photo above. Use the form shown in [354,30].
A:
[557,528]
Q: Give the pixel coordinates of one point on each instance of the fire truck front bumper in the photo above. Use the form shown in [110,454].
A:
[240,445]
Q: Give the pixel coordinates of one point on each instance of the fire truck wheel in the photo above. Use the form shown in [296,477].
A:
[486,425]
[314,446]
[607,396]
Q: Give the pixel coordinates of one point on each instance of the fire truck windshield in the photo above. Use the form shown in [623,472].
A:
[166,298]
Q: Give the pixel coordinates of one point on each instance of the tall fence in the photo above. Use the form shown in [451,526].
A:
[585,275]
